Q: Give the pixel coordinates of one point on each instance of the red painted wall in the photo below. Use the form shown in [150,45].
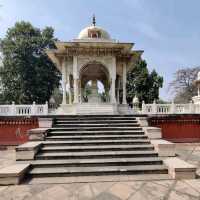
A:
[178,128]
[13,129]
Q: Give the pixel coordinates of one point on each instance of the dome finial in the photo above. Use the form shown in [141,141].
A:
[93,20]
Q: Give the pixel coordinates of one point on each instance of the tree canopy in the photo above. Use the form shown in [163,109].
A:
[27,74]
[143,84]
[182,86]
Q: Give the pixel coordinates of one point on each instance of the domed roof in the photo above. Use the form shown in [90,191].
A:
[94,32]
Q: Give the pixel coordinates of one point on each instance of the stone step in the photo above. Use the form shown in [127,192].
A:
[92,133]
[94,121]
[96,148]
[96,162]
[96,137]
[99,142]
[96,110]
[94,106]
[98,125]
[99,145]
[98,179]
[95,128]
[94,117]
[112,115]
[109,108]
[101,154]
[88,132]
[103,110]
[107,170]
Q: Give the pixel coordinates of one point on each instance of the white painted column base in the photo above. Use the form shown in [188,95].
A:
[164,148]
[142,121]
[180,169]
[37,134]
[27,151]
[123,109]
[13,174]
[45,122]
[153,132]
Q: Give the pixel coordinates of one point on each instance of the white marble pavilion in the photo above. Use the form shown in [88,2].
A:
[94,57]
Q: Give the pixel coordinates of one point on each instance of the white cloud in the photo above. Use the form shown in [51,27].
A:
[148,30]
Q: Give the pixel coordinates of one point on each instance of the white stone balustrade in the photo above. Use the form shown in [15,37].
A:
[170,108]
[42,109]
[23,110]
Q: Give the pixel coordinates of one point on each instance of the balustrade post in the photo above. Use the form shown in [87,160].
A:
[172,107]
[143,107]
[33,109]
[191,107]
[154,108]
[13,110]
[46,108]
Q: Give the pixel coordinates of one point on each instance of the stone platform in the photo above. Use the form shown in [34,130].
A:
[99,145]
[111,190]
[93,109]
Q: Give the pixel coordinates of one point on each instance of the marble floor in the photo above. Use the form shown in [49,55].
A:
[121,190]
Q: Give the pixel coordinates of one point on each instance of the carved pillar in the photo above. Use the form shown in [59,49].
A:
[113,98]
[118,91]
[80,92]
[69,89]
[76,90]
[124,84]
[64,81]
[118,96]
[75,75]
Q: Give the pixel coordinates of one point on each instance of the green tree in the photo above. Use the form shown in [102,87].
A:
[143,84]
[27,74]
[57,96]
[183,86]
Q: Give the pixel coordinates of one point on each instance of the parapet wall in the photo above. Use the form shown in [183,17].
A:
[178,128]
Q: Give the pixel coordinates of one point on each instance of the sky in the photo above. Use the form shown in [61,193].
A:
[167,30]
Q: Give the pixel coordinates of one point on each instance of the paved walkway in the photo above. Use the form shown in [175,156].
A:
[130,190]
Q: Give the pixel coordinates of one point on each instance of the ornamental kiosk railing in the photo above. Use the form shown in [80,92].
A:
[24,110]
[170,108]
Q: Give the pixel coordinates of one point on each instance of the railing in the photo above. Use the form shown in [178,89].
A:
[170,108]
[42,109]
[23,110]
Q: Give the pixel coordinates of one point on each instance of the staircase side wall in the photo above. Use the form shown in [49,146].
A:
[13,130]
[178,128]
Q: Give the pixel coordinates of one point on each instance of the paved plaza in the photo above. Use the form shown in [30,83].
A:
[110,190]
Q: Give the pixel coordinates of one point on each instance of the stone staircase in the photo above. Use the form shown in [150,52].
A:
[96,109]
[96,145]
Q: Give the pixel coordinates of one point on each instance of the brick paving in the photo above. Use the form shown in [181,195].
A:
[113,190]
